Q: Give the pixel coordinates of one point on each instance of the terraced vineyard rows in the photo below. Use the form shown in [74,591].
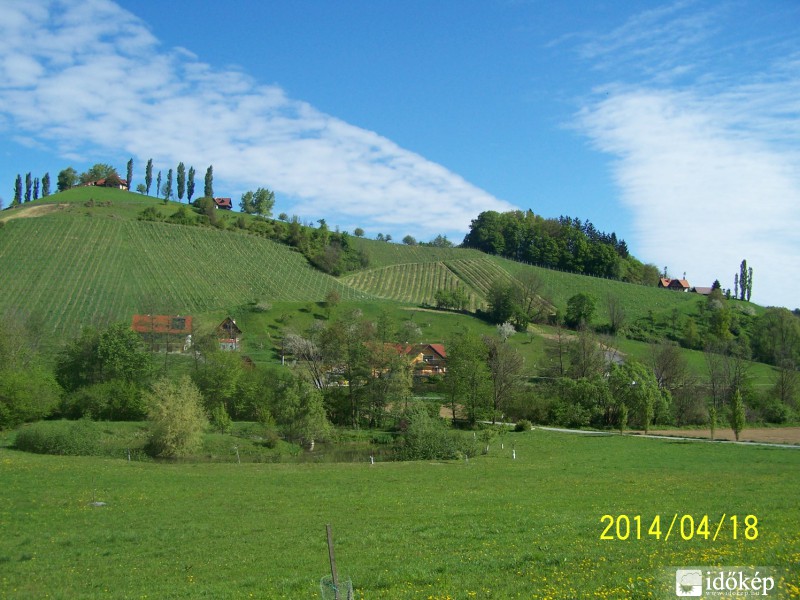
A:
[77,271]
[414,283]
[418,282]
[479,274]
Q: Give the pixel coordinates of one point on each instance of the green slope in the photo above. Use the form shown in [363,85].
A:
[86,259]
[82,266]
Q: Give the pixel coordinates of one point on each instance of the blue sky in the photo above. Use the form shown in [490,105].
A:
[675,124]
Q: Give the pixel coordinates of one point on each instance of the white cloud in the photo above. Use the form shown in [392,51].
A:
[709,167]
[703,195]
[87,89]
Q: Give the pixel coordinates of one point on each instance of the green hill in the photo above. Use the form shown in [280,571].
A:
[83,257]
[78,265]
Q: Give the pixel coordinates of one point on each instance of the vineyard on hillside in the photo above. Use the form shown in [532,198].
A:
[417,283]
[91,271]
[384,254]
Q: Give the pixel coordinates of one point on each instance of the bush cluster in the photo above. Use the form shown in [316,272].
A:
[427,438]
[72,438]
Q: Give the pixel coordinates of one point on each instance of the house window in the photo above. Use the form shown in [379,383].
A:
[429,358]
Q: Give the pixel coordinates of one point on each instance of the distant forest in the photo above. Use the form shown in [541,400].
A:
[564,243]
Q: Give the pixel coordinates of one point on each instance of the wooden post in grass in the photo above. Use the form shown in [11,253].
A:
[334,574]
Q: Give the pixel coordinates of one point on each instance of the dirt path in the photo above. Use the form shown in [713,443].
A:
[33,211]
[773,435]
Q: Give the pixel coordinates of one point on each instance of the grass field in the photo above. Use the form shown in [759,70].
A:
[492,527]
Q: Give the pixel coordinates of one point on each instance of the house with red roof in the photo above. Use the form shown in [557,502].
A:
[426,359]
[173,333]
[223,203]
[680,285]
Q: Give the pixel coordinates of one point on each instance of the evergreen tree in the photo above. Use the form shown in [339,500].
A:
[148,175]
[181,181]
[736,285]
[28,185]
[46,185]
[208,191]
[35,188]
[158,184]
[17,191]
[129,174]
[190,185]
[749,282]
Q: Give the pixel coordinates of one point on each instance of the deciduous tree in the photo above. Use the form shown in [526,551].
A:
[505,370]
[737,417]
[96,172]
[28,186]
[67,178]
[177,418]
[46,185]
[580,310]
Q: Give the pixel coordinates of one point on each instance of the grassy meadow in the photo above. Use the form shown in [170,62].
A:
[492,527]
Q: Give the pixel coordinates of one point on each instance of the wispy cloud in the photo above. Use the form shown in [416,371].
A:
[81,87]
[710,167]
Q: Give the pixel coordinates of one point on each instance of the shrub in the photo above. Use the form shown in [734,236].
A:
[523,425]
[73,438]
[115,400]
[26,395]
[177,417]
[427,438]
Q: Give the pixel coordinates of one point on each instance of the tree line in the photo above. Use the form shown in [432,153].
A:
[566,243]
[32,188]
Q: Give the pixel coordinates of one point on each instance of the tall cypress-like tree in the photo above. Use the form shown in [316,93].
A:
[129,174]
[190,185]
[46,185]
[28,186]
[17,191]
[181,181]
[158,184]
[743,280]
[35,188]
[168,186]
[148,175]
[749,282]
[208,191]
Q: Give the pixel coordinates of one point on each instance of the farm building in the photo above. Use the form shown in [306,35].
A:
[111,182]
[680,285]
[426,359]
[172,333]
[229,335]
[223,203]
